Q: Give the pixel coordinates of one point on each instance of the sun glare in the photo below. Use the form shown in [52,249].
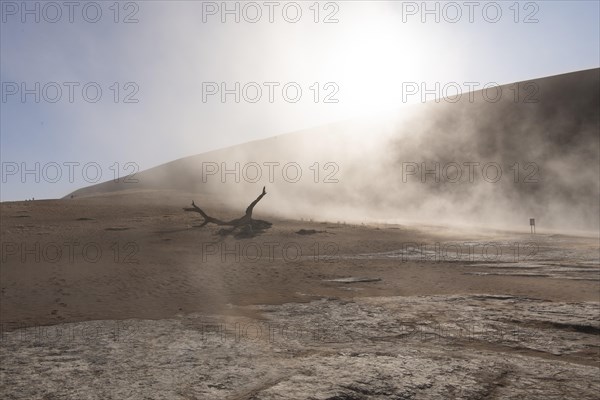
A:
[375,62]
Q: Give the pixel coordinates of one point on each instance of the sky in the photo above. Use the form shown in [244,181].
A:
[96,90]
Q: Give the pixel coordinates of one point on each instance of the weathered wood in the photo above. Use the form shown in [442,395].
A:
[245,221]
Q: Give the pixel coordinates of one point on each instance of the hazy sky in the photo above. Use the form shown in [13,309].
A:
[159,65]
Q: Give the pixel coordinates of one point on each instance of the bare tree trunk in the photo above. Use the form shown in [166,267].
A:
[246,220]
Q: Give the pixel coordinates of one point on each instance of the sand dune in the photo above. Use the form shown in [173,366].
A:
[531,153]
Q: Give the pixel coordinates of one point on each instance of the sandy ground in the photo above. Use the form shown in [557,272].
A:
[124,296]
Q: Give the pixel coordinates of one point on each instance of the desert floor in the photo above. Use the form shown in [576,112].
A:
[123,296]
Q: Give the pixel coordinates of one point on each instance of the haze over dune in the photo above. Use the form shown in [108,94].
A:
[540,135]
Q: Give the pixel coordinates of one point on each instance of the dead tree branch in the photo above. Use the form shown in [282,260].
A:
[245,221]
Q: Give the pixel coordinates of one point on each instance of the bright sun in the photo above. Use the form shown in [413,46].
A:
[373,63]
